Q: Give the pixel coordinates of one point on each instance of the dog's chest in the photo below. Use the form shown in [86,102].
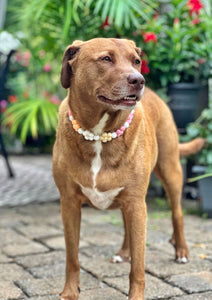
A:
[101,200]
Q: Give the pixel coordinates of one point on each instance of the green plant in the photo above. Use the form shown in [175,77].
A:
[193,179]
[202,127]
[61,22]
[45,28]
[178,43]
[31,117]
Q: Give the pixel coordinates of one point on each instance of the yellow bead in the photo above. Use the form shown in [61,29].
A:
[109,135]
[109,138]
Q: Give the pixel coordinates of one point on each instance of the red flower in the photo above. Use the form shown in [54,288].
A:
[176,21]
[144,67]
[26,58]
[201,60]
[195,6]
[149,36]
[18,57]
[54,99]
[47,67]
[12,98]
[3,106]
[195,21]
[156,15]
[105,24]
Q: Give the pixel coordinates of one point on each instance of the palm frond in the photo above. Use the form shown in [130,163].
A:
[122,13]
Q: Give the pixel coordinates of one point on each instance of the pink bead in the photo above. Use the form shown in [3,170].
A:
[119,132]
[122,128]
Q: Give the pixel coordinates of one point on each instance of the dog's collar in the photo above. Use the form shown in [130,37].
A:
[104,137]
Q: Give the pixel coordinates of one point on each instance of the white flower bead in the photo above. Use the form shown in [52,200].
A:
[126,124]
[91,137]
[96,137]
[133,111]
[71,118]
[114,135]
[80,131]
[86,134]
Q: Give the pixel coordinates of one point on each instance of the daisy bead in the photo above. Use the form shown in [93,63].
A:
[71,118]
[109,137]
[87,134]
[126,124]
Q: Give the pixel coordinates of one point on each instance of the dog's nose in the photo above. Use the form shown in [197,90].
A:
[136,80]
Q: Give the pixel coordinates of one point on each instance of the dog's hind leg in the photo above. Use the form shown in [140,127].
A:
[124,253]
[169,171]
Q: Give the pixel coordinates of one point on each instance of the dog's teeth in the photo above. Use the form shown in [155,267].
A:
[129,98]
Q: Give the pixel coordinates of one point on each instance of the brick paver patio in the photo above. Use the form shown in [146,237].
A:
[32,255]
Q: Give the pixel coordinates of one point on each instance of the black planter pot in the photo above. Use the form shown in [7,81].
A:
[205,190]
[184,103]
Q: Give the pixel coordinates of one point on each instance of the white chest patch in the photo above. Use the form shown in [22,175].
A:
[101,200]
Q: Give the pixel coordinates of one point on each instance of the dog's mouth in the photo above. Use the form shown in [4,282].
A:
[129,100]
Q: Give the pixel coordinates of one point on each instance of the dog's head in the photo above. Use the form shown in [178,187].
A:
[108,70]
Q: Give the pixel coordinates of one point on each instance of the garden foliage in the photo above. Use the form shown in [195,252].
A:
[175,36]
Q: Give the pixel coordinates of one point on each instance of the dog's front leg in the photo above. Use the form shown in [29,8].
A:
[71,215]
[135,215]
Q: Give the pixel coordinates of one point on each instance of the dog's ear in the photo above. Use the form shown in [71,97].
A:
[132,44]
[70,55]
[138,50]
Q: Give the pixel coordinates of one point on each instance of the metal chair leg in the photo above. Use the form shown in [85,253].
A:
[4,153]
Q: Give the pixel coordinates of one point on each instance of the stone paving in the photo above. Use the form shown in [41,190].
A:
[33,180]
[32,251]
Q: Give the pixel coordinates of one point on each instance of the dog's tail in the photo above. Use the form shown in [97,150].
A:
[191,147]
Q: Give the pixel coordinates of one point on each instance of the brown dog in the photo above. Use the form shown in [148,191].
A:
[104,155]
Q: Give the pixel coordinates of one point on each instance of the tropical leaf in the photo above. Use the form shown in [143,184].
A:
[31,117]
[122,13]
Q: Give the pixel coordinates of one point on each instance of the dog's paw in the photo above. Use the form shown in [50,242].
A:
[121,256]
[70,296]
[182,260]
[182,254]
[116,259]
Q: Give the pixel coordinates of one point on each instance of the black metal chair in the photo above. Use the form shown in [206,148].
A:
[3,77]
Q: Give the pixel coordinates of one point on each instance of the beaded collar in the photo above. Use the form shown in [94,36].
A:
[104,137]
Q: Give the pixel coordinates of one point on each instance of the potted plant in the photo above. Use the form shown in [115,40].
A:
[31,117]
[178,48]
[202,127]
[30,110]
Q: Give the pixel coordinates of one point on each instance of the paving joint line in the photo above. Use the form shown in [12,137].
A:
[102,280]
[114,287]
[23,291]
[166,281]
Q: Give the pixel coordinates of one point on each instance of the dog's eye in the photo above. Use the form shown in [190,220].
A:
[107,58]
[137,61]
